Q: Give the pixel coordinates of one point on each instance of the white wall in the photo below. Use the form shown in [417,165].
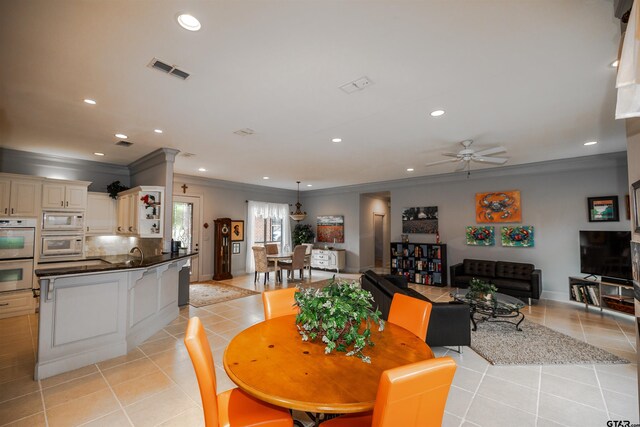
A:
[633,154]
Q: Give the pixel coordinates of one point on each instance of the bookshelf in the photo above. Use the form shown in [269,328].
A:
[602,295]
[421,263]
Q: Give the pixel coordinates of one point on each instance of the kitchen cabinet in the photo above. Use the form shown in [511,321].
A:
[328,259]
[59,195]
[16,303]
[100,216]
[140,212]
[19,196]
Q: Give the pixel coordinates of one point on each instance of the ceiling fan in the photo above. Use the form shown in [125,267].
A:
[465,156]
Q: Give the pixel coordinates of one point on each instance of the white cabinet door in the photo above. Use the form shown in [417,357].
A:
[123,214]
[25,196]
[75,197]
[101,214]
[53,196]
[5,190]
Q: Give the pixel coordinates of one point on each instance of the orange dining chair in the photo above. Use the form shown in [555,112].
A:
[408,396]
[410,313]
[232,407]
[279,303]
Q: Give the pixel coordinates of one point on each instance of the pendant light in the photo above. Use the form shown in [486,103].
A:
[298,215]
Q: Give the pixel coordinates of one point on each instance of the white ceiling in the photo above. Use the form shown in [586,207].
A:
[533,76]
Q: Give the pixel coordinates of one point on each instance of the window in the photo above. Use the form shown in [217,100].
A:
[267,230]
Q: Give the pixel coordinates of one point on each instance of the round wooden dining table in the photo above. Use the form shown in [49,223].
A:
[270,361]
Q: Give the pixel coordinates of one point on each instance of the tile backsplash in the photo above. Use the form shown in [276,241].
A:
[117,245]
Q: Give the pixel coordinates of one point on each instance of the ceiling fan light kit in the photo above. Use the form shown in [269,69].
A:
[467,155]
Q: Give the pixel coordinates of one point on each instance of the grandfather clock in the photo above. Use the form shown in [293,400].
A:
[222,249]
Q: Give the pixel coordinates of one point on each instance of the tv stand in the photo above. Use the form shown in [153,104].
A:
[603,294]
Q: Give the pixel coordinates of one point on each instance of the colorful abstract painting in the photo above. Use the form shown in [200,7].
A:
[420,220]
[480,235]
[331,229]
[518,235]
[501,206]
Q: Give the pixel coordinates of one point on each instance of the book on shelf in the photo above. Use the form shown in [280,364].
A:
[594,294]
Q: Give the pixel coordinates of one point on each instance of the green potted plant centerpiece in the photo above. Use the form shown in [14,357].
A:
[341,315]
[302,233]
[481,289]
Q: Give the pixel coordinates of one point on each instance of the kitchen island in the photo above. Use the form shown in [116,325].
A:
[94,312]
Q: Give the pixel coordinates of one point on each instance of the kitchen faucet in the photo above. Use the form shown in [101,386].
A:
[139,250]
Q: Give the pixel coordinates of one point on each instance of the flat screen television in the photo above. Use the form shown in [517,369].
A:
[606,253]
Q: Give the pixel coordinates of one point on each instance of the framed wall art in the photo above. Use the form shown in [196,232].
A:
[330,229]
[237,231]
[420,220]
[603,209]
[635,211]
[480,235]
[235,248]
[500,206]
[518,236]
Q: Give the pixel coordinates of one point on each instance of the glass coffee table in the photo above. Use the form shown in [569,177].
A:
[498,308]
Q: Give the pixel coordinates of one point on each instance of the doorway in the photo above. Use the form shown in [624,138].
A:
[185,228]
[378,237]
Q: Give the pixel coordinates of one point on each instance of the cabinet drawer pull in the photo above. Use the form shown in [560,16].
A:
[130,228]
[5,210]
[67,204]
[62,203]
[11,210]
[4,304]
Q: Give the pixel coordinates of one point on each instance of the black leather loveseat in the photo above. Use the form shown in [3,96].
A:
[517,279]
[449,322]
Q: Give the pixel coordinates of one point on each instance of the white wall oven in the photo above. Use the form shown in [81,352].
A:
[17,237]
[54,221]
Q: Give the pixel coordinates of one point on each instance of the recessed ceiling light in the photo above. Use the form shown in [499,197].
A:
[265,177]
[121,135]
[615,63]
[309,185]
[202,170]
[157,130]
[409,169]
[90,101]
[591,143]
[437,113]
[99,154]
[336,140]
[188,22]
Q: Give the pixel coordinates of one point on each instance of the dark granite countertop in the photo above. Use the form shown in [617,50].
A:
[112,263]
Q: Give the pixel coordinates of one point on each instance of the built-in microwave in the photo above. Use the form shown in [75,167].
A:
[56,221]
[69,245]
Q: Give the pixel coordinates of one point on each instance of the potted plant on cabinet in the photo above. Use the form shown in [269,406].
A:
[303,233]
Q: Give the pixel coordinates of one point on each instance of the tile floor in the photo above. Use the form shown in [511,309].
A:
[155,384]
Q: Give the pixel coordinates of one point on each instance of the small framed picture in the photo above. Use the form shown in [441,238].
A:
[237,231]
[636,205]
[235,248]
[603,209]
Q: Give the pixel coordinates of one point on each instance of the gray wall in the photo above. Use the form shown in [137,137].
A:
[224,199]
[100,174]
[554,201]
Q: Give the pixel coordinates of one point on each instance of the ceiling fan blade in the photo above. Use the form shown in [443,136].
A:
[463,164]
[441,162]
[496,160]
[450,154]
[488,151]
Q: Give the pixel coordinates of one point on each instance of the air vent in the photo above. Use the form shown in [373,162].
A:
[356,85]
[169,69]
[126,144]
[186,154]
[245,132]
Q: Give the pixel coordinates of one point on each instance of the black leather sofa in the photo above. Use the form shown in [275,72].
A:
[517,279]
[449,323]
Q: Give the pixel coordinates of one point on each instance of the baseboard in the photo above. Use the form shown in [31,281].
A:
[554,296]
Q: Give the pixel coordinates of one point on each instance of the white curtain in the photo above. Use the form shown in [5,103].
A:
[628,80]
[265,210]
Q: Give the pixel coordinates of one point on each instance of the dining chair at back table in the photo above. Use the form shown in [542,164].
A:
[413,395]
[262,264]
[232,407]
[279,303]
[297,262]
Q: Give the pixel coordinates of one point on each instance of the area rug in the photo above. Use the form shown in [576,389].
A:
[502,344]
[211,292]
